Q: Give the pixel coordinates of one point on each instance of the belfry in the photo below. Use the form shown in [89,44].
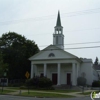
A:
[58,37]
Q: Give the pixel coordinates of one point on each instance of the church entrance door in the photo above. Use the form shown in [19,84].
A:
[54,78]
[68,78]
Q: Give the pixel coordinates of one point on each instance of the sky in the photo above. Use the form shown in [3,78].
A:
[36,19]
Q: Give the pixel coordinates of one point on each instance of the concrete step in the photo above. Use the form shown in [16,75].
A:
[66,87]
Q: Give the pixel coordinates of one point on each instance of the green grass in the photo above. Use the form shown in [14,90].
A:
[59,91]
[46,95]
[62,91]
[87,93]
[14,88]
[6,91]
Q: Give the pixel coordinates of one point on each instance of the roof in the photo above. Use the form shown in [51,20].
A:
[56,52]
[97,67]
[58,20]
[85,60]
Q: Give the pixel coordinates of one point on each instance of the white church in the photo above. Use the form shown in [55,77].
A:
[59,65]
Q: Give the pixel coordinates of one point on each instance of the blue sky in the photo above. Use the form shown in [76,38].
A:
[35,19]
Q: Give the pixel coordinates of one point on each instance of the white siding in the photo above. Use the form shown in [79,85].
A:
[86,67]
[95,75]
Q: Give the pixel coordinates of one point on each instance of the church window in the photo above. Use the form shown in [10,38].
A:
[57,40]
[56,31]
[51,55]
[62,41]
[60,31]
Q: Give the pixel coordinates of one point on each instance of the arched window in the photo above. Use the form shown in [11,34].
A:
[51,55]
[56,39]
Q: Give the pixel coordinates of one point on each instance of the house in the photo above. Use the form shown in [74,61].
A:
[59,65]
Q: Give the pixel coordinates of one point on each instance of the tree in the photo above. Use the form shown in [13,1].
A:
[16,50]
[3,66]
[96,61]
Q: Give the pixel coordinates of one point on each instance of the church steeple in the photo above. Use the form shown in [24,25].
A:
[58,20]
[58,37]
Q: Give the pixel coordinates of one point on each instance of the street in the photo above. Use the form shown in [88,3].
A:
[9,97]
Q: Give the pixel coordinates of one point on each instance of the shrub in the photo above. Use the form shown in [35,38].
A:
[96,84]
[32,82]
[39,82]
[81,81]
[45,82]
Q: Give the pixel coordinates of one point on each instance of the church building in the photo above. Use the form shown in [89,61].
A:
[59,65]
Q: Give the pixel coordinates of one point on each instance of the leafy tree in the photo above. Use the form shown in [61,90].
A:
[16,50]
[3,66]
[96,61]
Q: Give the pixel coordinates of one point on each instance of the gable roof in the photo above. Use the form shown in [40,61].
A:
[55,51]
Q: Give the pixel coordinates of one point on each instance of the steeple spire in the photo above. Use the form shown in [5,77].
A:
[58,20]
[58,37]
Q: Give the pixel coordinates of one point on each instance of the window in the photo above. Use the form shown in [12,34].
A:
[41,75]
[51,55]
[57,40]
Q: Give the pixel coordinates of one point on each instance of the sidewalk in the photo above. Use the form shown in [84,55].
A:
[18,92]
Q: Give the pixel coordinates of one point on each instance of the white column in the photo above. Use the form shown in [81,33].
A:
[77,70]
[58,76]
[73,75]
[45,69]
[35,70]
[32,71]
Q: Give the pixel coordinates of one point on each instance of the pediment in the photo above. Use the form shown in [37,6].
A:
[52,52]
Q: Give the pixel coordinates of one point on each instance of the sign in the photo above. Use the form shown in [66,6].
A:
[27,74]
[94,95]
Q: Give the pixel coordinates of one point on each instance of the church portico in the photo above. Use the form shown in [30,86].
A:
[57,70]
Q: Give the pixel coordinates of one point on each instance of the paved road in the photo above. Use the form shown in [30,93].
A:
[9,97]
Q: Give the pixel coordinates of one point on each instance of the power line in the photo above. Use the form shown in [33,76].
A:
[84,47]
[90,47]
[76,43]
[70,31]
[70,14]
[89,11]
[83,43]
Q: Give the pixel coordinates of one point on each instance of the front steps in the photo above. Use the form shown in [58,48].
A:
[64,87]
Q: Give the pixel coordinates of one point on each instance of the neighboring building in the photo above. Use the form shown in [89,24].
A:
[97,68]
[61,66]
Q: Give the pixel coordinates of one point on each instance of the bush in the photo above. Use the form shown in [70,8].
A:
[39,82]
[44,82]
[81,81]
[96,84]
[33,82]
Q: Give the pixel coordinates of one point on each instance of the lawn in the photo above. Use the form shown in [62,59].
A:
[87,93]
[6,91]
[62,91]
[46,95]
[59,91]
[13,88]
